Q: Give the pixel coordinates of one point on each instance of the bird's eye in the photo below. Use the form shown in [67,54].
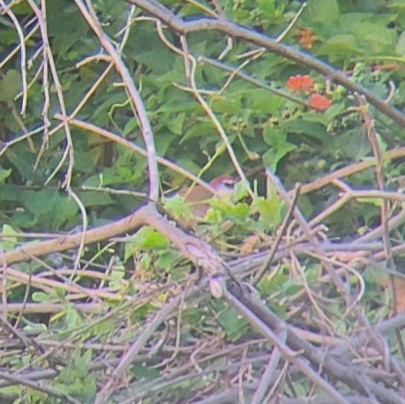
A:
[229,183]
[223,182]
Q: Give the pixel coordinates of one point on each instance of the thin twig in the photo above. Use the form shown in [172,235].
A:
[38,386]
[280,234]
[130,355]
[292,23]
[23,59]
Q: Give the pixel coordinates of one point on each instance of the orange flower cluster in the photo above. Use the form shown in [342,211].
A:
[319,102]
[300,83]
[306,85]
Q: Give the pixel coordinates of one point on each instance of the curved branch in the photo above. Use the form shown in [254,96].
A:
[134,95]
[198,251]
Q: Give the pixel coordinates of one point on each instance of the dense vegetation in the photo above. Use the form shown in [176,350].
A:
[106,106]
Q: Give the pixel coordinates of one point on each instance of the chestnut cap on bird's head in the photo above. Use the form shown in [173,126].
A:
[223,184]
[223,181]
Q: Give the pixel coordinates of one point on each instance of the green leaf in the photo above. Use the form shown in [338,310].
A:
[4,174]
[324,11]
[143,372]
[66,28]
[145,47]
[308,128]
[241,191]
[377,37]
[41,297]
[178,207]
[277,139]
[148,238]
[96,198]
[400,47]
[34,328]
[86,160]
[372,201]
[233,324]
[270,209]
[340,46]
[167,259]
[266,6]
[8,240]
[23,161]
[176,124]
[47,205]
[130,126]
[238,211]
[10,85]
[273,282]
[261,100]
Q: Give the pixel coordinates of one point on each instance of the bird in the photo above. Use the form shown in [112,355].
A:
[198,196]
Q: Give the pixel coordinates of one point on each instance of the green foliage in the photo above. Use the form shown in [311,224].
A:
[234,326]
[148,238]
[75,379]
[50,177]
[9,239]
[178,207]
[9,85]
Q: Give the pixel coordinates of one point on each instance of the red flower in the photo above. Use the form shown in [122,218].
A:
[319,102]
[300,83]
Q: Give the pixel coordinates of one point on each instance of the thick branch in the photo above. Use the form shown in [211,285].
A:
[199,252]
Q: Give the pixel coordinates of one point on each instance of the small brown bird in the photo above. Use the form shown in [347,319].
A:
[197,197]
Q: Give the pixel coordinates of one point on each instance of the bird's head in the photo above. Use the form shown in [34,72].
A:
[224,185]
